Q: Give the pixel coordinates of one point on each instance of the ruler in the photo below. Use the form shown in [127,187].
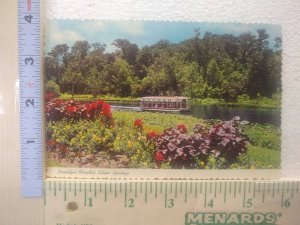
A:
[114,202]
[30,98]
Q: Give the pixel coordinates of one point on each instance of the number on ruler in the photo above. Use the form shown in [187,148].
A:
[28,18]
[29,60]
[249,203]
[210,203]
[171,203]
[29,102]
[130,203]
[287,203]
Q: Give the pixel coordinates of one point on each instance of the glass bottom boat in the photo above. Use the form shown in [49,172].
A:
[164,103]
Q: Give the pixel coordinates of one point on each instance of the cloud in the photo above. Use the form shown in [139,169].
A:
[134,28]
[55,35]
[92,26]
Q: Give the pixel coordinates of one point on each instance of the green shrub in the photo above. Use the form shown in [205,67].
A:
[52,87]
[266,136]
[135,144]
[83,135]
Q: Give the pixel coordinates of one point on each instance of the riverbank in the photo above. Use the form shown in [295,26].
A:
[242,101]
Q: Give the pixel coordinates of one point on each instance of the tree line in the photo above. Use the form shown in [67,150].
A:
[203,66]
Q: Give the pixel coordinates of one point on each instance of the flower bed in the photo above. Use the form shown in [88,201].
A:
[89,134]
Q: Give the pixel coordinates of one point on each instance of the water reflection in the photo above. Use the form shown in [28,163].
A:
[254,115]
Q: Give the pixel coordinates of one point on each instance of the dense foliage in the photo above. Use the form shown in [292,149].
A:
[203,66]
[266,136]
[223,140]
[57,109]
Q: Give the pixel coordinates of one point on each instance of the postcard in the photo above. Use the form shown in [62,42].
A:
[160,100]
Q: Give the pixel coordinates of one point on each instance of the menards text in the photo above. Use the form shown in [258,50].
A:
[233,218]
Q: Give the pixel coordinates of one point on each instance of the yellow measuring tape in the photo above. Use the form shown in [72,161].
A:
[171,202]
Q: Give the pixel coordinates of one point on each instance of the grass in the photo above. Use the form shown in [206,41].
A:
[88,97]
[242,101]
[53,163]
[266,136]
[156,121]
[263,158]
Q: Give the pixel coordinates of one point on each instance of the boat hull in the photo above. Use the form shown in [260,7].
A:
[166,110]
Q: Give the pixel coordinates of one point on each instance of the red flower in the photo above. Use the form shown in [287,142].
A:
[138,123]
[100,103]
[88,109]
[159,156]
[49,96]
[182,128]
[106,110]
[51,143]
[93,106]
[151,135]
[71,109]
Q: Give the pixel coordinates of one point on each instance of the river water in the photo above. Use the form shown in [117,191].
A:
[253,115]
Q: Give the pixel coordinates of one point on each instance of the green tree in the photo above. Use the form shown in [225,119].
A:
[122,78]
[233,85]
[129,51]
[259,76]
[56,62]
[191,82]
[52,87]
[96,82]
[73,80]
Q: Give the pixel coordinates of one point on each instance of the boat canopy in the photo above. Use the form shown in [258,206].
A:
[164,99]
[164,103]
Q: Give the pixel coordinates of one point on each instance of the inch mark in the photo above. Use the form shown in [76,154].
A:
[205,194]
[185,194]
[225,191]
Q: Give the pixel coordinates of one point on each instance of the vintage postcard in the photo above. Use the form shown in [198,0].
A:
[153,99]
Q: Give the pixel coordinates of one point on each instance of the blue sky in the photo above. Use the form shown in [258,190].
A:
[141,32]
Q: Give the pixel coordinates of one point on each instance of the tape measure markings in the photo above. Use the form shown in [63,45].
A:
[30,98]
[170,194]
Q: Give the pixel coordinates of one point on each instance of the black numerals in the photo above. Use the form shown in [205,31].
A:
[28,18]
[29,102]
[29,61]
